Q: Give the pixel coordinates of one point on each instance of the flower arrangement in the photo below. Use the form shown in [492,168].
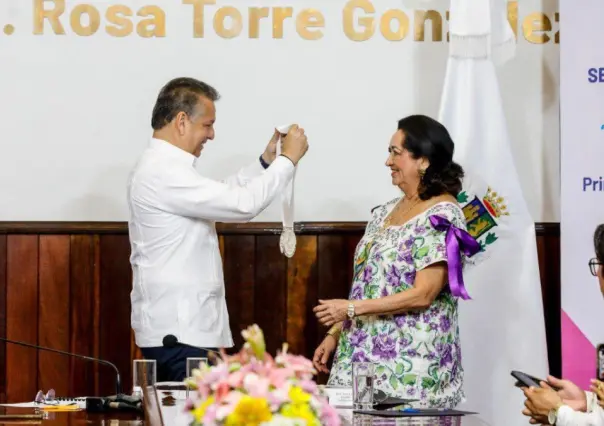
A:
[252,388]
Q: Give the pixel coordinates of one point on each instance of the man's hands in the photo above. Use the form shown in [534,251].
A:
[539,401]
[270,152]
[571,394]
[293,145]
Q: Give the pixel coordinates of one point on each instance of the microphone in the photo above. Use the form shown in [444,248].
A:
[171,341]
[131,402]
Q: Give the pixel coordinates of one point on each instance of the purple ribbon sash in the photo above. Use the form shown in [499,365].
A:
[456,240]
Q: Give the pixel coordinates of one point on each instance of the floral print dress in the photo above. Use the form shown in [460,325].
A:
[417,354]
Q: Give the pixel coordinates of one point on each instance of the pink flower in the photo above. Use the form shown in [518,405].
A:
[228,405]
[309,386]
[222,390]
[280,376]
[209,419]
[256,386]
[278,397]
[235,380]
[329,416]
[302,366]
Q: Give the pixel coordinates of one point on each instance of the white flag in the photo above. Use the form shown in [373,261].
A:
[502,327]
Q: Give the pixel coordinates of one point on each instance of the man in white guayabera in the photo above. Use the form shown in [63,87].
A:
[178,296]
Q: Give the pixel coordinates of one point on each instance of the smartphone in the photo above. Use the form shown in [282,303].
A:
[600,362]
[525,380]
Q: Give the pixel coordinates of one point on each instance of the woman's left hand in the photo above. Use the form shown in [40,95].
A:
[329,312]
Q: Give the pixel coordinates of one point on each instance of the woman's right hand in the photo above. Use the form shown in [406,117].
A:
[323,352]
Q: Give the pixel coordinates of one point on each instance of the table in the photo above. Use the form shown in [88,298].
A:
[172,414]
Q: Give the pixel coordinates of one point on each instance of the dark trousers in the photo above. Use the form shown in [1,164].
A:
[172,362]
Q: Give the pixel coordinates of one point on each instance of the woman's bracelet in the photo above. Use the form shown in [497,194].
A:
[335,330]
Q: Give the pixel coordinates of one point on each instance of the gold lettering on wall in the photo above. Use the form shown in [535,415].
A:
[401,21]
[359,21]
[513,16]
[533,27]
[310,18]
[366,23]
[198,9]
[436,21]
[154,26]
[93,17]
[117,15]
[256,14]
[279,15]
[236,22]
[41,13]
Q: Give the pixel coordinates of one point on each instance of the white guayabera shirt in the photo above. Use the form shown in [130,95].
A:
[178,283]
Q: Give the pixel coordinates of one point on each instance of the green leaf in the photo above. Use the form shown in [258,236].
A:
[491,238]
[380,370]
[428,383]
[409,379]
[421,252]
[462,197]
[393,382]
[482,246]
[400,369]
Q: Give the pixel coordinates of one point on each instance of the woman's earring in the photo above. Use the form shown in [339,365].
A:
[422,173]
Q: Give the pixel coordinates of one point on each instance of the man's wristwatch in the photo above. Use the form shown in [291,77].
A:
[350,310]
[552,416]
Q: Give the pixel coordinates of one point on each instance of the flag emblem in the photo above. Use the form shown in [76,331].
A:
[482,214]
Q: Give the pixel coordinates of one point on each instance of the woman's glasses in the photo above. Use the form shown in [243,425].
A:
[593,266]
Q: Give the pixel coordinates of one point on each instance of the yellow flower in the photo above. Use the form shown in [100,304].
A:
[300,411]
[298,396]
[200,410]
[250,412]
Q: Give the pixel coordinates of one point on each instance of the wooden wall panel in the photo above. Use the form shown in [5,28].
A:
[239,263]
[302,295]
[22,316]
[270,291]
[67,286]
[3,363]
[114,318]
[84,313]
[53,319]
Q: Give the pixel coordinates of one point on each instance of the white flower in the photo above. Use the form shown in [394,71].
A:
[279,420]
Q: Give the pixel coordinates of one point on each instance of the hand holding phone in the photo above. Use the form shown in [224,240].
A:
[526,380]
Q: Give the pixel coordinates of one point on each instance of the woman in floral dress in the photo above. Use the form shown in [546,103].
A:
[402,309]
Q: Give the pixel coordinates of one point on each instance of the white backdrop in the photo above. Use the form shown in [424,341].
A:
[76,109]
[582,136]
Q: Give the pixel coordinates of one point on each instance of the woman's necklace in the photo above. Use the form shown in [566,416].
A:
[390,218]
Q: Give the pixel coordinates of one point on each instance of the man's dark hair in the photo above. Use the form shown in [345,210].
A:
[180,94]
[599,242]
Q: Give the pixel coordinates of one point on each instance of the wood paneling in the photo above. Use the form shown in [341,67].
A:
[84,310]
[2,318]
[22,316]
[67,286]
[53,318]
